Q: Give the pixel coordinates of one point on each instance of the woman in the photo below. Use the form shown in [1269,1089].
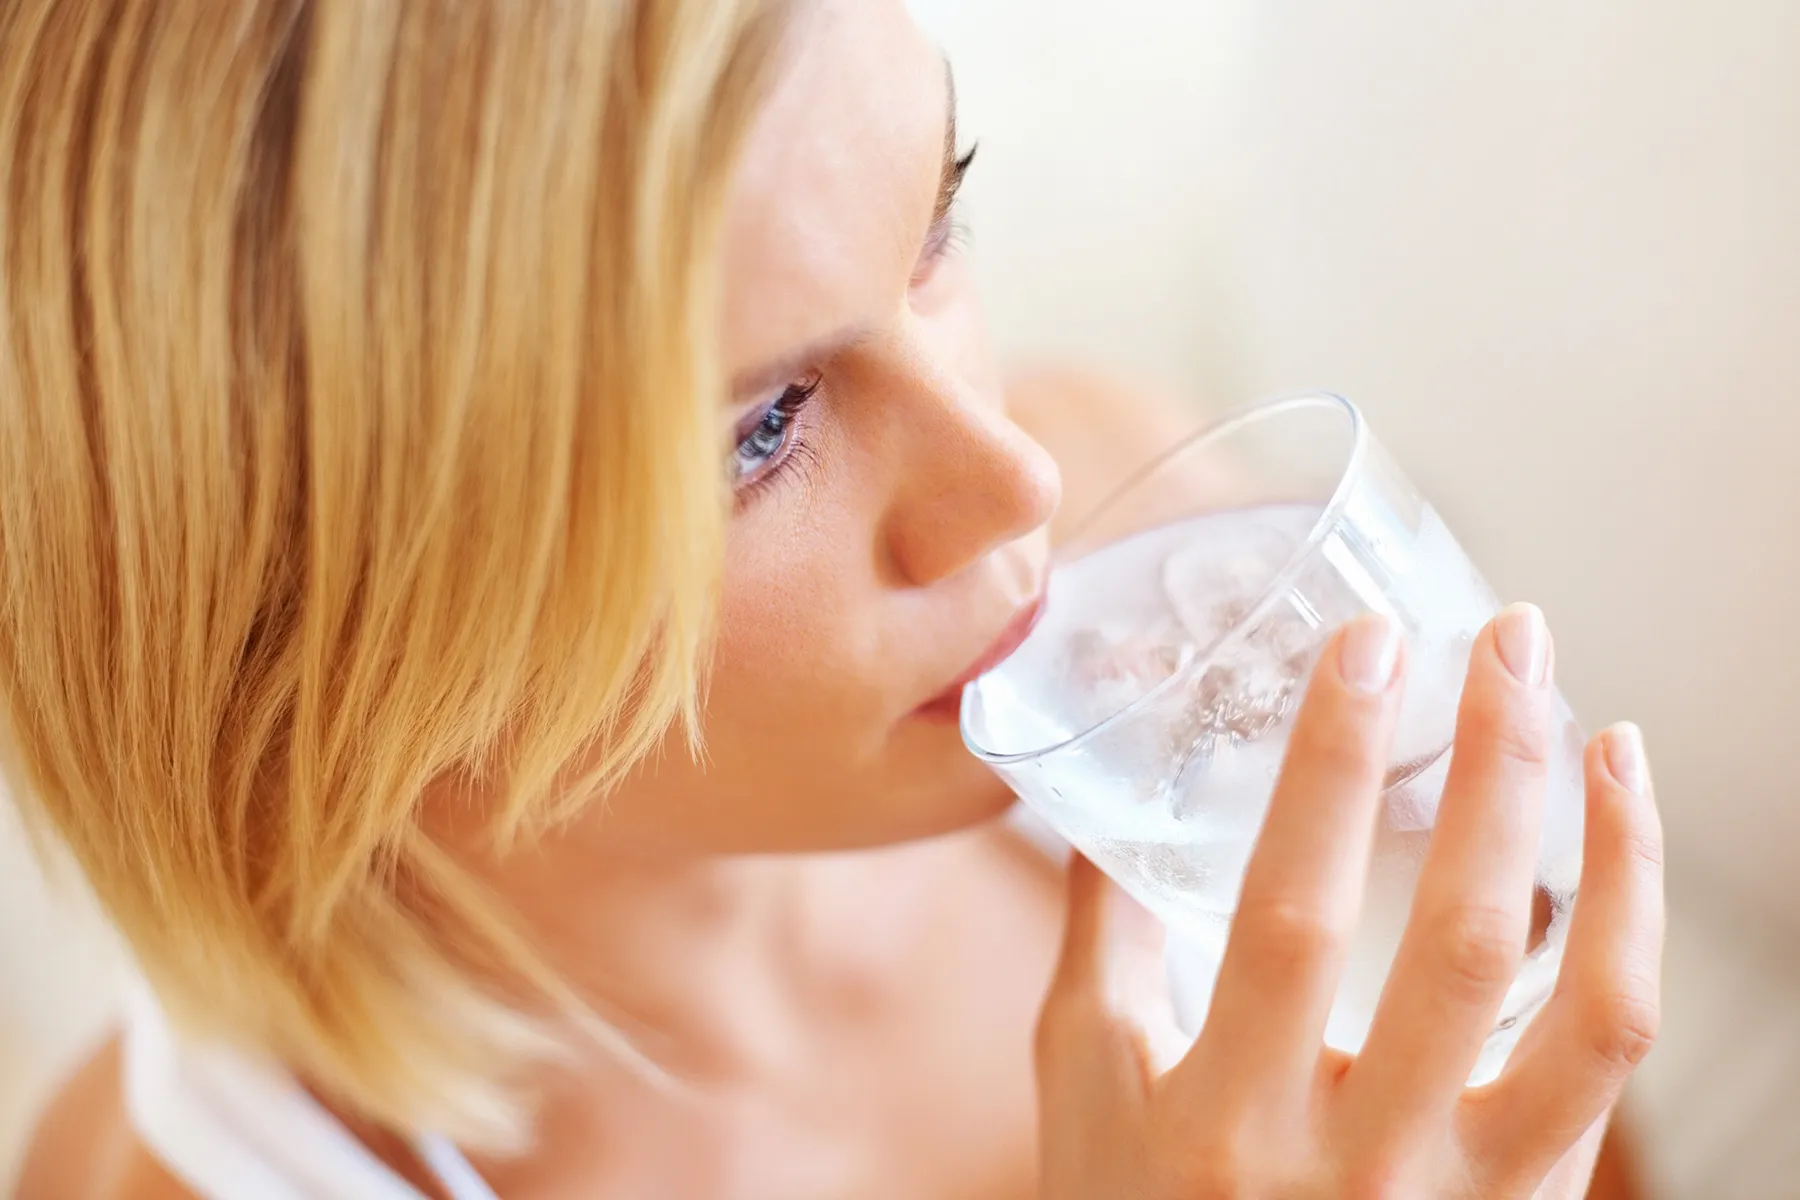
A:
[499,499]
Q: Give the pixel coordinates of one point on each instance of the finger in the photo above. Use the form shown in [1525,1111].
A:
[1107,1012]
[1091,1080]
[1112,946]
[1572,1175]
[1078,967]
[1600,1021]
[1303,886]
[1471,914]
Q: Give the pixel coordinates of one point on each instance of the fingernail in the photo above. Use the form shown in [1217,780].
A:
[1625,757]
[1524,642]
[1368,653]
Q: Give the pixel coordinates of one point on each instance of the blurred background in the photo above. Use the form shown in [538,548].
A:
[1553,250]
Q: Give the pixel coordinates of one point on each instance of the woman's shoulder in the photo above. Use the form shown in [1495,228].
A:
[84,1147]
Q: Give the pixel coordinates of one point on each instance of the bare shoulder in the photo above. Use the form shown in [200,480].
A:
[1098,428]
[84,1149]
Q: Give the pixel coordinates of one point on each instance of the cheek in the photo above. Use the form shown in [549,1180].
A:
[795,618]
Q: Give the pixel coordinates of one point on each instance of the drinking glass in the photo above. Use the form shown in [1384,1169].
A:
[1146,715]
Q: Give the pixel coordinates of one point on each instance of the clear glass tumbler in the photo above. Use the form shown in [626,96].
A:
[1146,716]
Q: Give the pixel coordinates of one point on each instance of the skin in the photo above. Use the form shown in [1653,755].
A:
[822,932]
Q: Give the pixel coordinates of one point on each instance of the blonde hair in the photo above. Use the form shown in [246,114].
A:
[358,431]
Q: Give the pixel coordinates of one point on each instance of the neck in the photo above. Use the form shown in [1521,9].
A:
[721,971]
[698,961]
[725,973]
[700,964]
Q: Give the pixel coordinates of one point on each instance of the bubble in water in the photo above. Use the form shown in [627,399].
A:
[1200,878]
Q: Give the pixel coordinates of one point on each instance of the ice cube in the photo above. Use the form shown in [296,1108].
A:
[1253,685]
[1112,666]
[1212,586]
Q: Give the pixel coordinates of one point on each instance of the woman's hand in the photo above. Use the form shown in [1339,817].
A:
[1258,1106]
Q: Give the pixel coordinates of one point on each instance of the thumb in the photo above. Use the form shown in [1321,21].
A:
[1110,993]
[1081,965]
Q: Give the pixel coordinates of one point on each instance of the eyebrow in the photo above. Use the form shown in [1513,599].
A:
[752,383]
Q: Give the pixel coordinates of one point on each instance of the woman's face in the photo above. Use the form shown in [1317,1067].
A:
[888,533]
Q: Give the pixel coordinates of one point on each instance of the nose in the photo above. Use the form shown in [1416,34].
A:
[972,482]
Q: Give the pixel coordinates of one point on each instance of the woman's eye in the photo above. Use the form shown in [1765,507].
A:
[947,232]
[765,445]
[764,442]
[944,240]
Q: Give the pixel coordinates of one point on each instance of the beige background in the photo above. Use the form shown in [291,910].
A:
[1554,251]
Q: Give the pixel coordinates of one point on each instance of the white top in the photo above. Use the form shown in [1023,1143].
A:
[234,1127]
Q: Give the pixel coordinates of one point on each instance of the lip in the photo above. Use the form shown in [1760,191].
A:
[947,704]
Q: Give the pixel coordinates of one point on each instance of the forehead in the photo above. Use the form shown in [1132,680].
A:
[836,182]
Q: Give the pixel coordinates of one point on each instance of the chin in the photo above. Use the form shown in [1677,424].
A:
[947,797]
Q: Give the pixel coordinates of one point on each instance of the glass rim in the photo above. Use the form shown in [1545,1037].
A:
[1230,423]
